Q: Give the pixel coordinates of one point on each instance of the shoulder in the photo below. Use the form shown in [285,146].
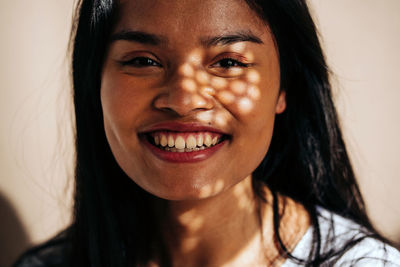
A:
[362,248]
[357,246]
[50,254]
[370,252]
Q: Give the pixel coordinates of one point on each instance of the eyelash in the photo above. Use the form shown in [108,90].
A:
[234,63]
[142,62]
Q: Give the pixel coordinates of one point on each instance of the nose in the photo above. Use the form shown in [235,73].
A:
[183,96]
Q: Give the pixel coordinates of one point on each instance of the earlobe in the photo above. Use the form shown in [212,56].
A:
[281,103]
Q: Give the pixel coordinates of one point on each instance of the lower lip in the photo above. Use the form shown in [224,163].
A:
[183,157]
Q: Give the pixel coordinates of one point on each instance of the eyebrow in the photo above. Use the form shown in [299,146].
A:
[231,38]
[153,39]
[139,37]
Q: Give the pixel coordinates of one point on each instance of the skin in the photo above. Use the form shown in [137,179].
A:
[213,215]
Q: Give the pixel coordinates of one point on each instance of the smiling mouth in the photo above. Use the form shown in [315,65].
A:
[184,141]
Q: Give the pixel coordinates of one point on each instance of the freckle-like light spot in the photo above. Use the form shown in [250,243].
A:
[189,244]
[253,92]
[238,191]
[207,91]
[192,219]
[249,56]
[187,216]
[238,87]
[243,202]
[226,97]
[245,105]
[202,77]
[219,185]
[196,223]
[204,116]
[186,70]
[242,198]
[238,47]
[218,83]
[198,100]
[205,191]
[189,85]
[253,76]
[195,56]
[221,119]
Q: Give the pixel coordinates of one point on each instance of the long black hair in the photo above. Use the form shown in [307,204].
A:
[307,159]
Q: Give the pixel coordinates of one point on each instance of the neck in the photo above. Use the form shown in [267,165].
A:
[220,229]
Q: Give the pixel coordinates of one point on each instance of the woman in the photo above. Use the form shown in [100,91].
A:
[206,136]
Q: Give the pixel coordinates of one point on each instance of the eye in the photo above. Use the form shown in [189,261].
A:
[141,62]
[228,63]
[229,66]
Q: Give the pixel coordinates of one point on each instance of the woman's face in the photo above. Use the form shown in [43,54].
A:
[189,92]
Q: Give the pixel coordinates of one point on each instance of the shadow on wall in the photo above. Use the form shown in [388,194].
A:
[13,237]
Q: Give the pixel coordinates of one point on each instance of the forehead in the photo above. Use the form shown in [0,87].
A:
[189,18]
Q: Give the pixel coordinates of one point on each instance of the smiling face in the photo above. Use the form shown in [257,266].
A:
[189,92]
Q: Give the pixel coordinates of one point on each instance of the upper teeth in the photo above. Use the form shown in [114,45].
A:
[191,141]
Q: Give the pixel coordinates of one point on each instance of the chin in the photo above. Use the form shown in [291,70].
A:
[185,193]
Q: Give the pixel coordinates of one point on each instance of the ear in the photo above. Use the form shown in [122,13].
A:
[281,103]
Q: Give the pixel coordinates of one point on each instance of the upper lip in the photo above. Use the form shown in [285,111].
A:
[182,127]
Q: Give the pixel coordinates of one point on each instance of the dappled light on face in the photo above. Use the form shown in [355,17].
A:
[195,57]
[218,83]
[204,116]
[231,84]
[253,77]
[198,100]
[238,47]
[221,119]
[210,190]
[243,203]
[195,226]
[202,77]
[226,97]
[253,92]
[238,87]
[245,105]
[192,77]
[239,191]
[219,185]
[207,91]
[191,219]
[205,191]
[189,85]
[187,70]
[190,244]
[249,56]
[239,91]
[218,117]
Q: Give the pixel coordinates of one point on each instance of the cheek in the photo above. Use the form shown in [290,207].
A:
[114,102]
[254,94]
[257,134]
[258,123]
[116,98]
[124,100]
[239,96]
[123,106]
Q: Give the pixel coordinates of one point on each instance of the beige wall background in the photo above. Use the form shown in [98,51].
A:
[361,39]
